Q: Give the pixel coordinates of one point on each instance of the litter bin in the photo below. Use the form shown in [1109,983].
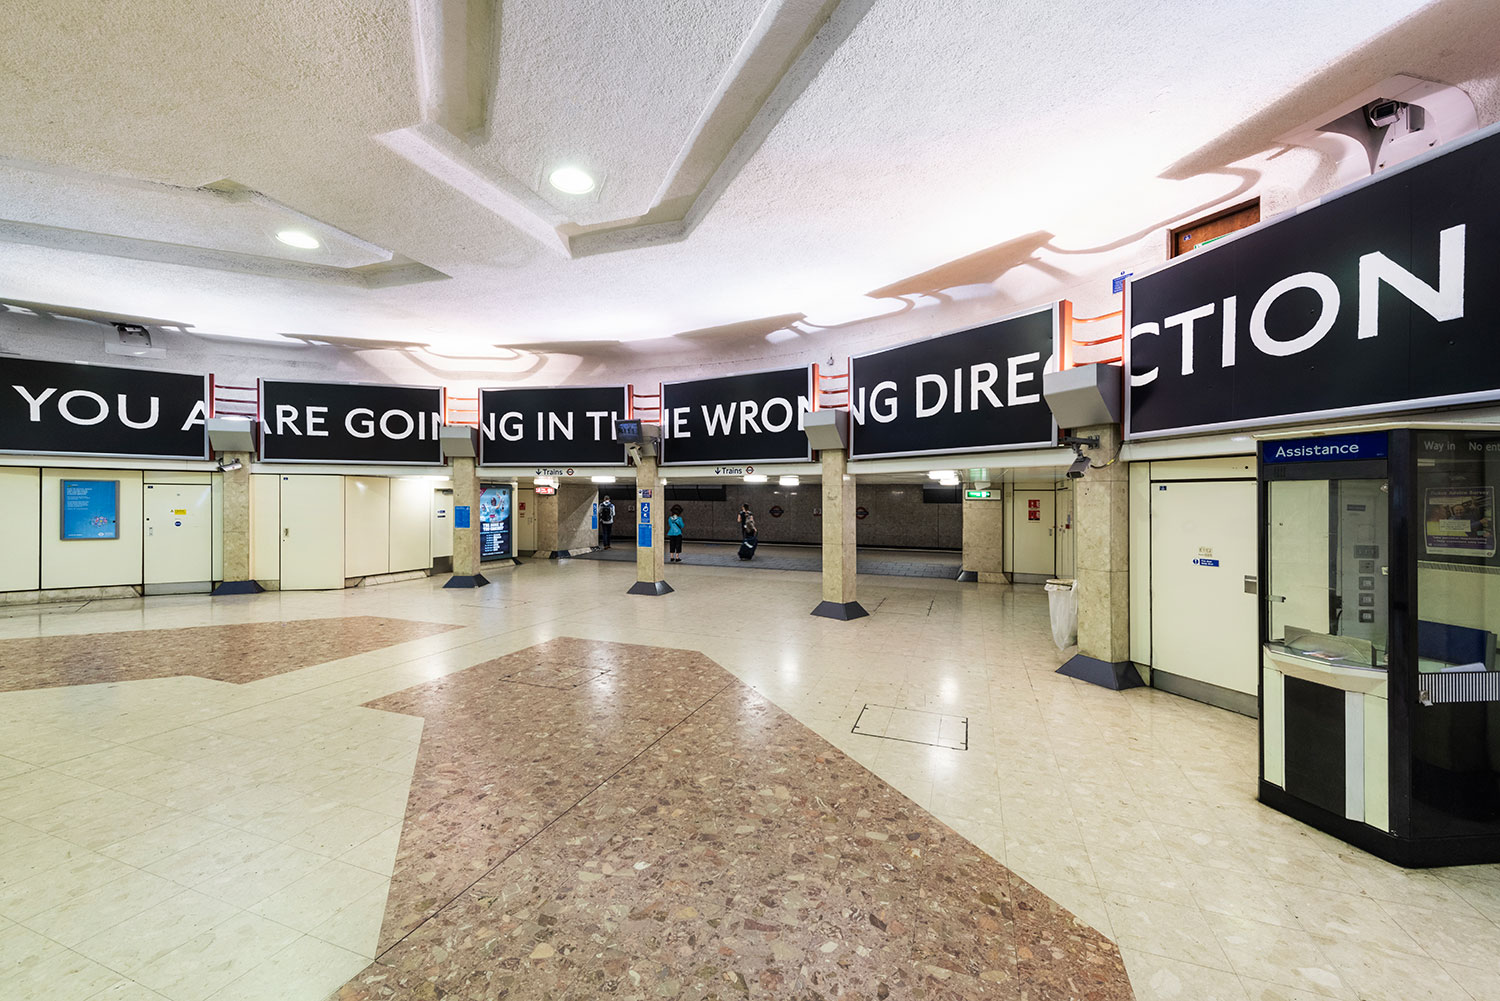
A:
[1062,599]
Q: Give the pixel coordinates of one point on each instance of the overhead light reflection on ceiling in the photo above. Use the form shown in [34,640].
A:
[571,180]
[299,239]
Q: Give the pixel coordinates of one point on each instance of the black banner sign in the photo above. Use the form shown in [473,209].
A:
[737,418]
[976,390]
[350,422]
[64,408]
[572,426]
[1376,300]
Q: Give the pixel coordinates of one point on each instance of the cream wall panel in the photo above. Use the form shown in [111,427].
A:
[178,476]
[411,524]
[312,532]
[218,526]
[1240,467]
[265,527]
[1273,725]
[20,529]
[91,562]
[1377,762]
[1140,562]
[367,525]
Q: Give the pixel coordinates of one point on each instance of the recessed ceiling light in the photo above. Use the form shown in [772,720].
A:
[571,181]
[756,478]
[297,238]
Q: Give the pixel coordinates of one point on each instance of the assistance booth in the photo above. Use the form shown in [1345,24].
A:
[1379,580]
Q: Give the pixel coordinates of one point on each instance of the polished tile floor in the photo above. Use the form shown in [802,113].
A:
[194,836]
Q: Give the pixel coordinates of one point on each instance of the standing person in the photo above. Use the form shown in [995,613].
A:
[606,521]
[748,539]
[674,535]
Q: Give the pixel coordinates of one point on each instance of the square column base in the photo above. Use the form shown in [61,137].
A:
[657,587]
[968,577]
[237,587]
[1116,676]
[458,580]
[843,610]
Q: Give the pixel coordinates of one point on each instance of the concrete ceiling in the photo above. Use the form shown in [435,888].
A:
[757,159]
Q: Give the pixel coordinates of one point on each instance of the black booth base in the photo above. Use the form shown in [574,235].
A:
[1116,676]
[237,587]
[1412,853]
[478,580]
[968,576]
[650,587]
[842,610]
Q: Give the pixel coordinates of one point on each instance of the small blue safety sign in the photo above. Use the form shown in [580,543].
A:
[645,512]
[460,516]
[1205,563]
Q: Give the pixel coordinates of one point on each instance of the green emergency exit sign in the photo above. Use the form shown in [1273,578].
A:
[977,494]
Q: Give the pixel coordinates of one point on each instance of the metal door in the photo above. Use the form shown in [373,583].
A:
[312,532]
[177,551]
[1203,587]
[1035,535]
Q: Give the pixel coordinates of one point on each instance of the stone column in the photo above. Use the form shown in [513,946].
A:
[839,554]
[236,535]
[465,528]
[984,539]
[1102,562]
[650,530]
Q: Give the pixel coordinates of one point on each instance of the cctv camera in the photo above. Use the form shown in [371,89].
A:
[634,451]
[1078,467]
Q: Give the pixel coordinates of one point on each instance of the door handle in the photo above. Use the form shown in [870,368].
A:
[286,533]
[1276,597]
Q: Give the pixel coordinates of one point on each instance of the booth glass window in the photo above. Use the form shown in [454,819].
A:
[1329,569]
[1456,719]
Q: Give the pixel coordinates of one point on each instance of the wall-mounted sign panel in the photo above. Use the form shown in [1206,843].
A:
[975,390]
[737,418]
[573,425]
[1379,299]
[90,509]
[62,408]
[350,422]
[495,523]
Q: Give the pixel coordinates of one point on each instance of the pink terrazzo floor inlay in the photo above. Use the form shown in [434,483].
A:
[237,653]
[593,819]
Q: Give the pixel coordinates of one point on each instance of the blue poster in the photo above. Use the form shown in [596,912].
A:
[90,509]
[494,523]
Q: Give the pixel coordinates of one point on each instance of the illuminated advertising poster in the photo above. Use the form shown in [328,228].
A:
[494,523]
[90,509]
[1460,521]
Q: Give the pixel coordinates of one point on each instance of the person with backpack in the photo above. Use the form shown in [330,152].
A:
[748,537]
[606,521]
[674,535]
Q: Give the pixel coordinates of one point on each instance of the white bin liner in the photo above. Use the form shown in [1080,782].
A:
[1062,597]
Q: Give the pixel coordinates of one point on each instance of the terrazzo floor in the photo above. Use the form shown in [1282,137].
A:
[320,827]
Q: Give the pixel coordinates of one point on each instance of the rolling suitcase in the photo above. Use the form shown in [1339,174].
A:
[747,548]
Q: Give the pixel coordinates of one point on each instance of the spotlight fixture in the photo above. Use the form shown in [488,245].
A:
[299,239]
[571,180]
